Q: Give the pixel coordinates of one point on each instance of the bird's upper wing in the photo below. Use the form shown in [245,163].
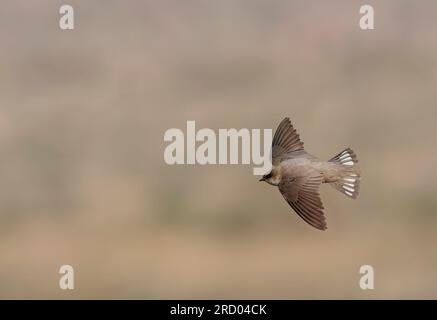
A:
[302,194]
[286,140]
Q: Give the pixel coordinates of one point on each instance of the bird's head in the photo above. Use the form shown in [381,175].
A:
[273,178]
[266,177]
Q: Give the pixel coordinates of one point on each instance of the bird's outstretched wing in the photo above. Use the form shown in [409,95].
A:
[286,140]
[302,194]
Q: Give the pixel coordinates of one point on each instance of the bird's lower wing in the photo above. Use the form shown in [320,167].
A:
[302,194]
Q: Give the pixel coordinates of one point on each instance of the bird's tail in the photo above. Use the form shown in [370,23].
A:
[349,173]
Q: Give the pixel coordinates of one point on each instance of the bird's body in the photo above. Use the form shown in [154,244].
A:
[302,163]
[298,174]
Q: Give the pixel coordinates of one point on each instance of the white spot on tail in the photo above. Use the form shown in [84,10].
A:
[351,189]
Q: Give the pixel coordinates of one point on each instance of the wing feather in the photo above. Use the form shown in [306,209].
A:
[302,194]
[285,140]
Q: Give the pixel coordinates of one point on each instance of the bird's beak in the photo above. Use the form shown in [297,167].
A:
[262,179]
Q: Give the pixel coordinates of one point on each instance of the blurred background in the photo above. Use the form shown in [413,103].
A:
[83,180]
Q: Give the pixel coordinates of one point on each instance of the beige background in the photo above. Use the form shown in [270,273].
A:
[82,176]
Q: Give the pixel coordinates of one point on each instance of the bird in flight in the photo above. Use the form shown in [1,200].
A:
[299,174]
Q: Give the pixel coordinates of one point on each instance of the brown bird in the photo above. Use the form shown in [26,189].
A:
[299,174]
